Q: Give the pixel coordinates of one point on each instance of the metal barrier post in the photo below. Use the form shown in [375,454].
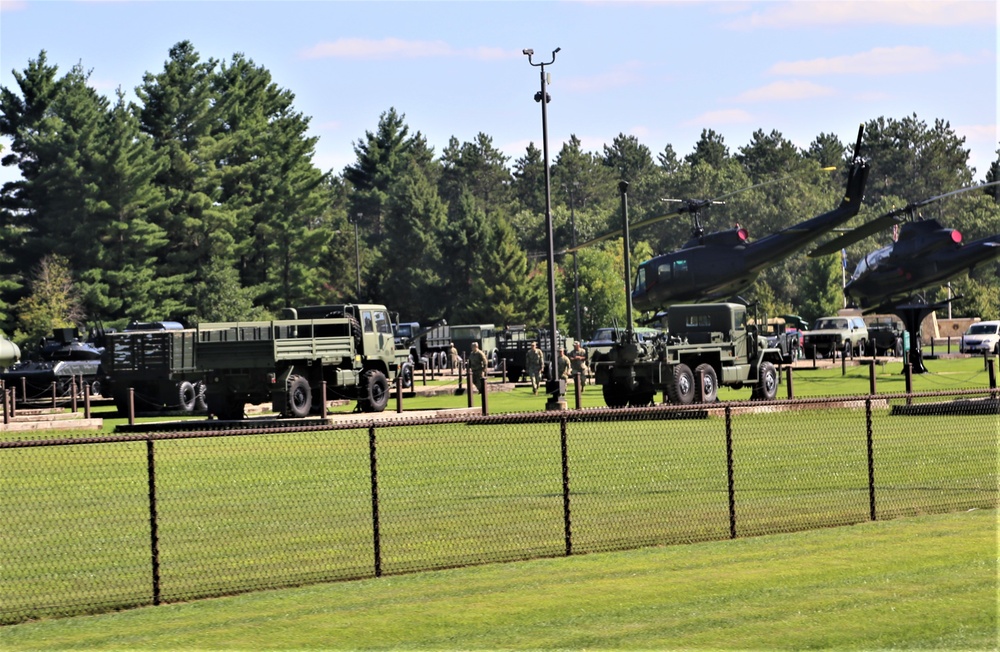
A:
[871,378]
[13,402]
[485,403]
[322,399]
[154,541]
[399,394]
[788,382]
[577,389]
[814,356]
[843,361]
[992,373]
[567,529]
[131,406]
[468,382]
[6,414]
[871,459]
[72,391]
[54,392]
[729,472]
[423,374]
[373,466]
[908,373]
[86,401]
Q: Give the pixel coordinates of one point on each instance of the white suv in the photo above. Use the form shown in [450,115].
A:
[983,336]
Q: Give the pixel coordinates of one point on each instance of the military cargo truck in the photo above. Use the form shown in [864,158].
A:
[157,361]
[513,342]
[286,361]
[710,345]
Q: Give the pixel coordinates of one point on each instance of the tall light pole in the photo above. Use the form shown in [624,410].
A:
[555,388]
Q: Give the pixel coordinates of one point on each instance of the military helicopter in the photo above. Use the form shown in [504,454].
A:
[924,254]
[712,266]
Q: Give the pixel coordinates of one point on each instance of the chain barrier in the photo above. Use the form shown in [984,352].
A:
[96,523]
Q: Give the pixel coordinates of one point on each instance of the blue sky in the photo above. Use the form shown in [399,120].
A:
[662,71]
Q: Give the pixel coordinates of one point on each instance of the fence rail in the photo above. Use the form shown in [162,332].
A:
[99,523]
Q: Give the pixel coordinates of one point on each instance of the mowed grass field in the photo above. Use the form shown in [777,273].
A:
[918,583]
[237,513]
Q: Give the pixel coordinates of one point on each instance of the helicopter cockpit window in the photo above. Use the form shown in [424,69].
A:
[663,272]
[871,261]
[680,268]
[640,280]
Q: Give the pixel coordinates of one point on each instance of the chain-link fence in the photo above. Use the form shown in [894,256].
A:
[89,525]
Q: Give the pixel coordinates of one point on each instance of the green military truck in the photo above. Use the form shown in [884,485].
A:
[350,347]
[512,344]
[156,360]
[709,345]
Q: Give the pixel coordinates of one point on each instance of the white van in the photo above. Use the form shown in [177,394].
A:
[983,336]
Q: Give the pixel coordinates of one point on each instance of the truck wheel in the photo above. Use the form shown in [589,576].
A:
[406,374]
[707,383]
[225,406]
[494,360]
[298,397]
[186,396]
[767,384]
[200,404]
[641,398]
[376,391]
[614,395]
[95,388]
[514,373]
[681,390]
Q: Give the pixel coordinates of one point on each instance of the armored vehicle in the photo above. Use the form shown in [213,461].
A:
[64,359]
[886,336]
[350,347]
[709,345]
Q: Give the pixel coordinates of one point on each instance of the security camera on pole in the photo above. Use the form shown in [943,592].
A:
[554,386]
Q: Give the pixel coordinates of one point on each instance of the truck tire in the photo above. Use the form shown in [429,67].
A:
[406,375]
[376,391]
[514,372]
[200,404]
[298,397]
[681,390]
[707,383]
[766,388]
[186,396]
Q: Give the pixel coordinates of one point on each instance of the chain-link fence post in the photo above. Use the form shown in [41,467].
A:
[154,540]
[376,536]
[567,522]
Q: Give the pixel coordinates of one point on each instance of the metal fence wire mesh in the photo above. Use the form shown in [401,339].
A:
[90,525]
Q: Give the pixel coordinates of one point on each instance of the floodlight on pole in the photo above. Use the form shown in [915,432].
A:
[554,387]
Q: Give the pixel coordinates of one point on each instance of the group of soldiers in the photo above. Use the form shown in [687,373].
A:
[574,364]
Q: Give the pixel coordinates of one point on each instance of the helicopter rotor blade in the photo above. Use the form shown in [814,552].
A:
[860,233]
[883,221]
[688,206]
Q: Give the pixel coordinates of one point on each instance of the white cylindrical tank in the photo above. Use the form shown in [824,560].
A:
[9,353]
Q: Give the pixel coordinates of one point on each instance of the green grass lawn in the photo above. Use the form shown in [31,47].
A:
[925,582]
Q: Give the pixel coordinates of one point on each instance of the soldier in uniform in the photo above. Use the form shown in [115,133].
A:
[533,363]
[563,364]
[578,364]
[452,358]
[477,364]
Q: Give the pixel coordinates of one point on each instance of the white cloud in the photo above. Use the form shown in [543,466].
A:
[828,13]
[394,48]
[780,91]
[877,61]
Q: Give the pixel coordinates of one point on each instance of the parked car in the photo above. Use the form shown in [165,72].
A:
[982,337]
[836,334]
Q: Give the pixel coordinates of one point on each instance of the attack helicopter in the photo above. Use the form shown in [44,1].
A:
[713,266]
[925,254]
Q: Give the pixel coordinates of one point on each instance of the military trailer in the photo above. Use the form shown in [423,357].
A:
[156,360]
[349,347]
[438,341]
[710,345]
[513,342]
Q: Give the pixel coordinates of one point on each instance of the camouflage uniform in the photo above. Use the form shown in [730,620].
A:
[578,363]
[563,364]
[477,364]
[533,363]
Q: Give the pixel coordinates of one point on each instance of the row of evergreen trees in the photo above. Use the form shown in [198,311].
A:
[201,202]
